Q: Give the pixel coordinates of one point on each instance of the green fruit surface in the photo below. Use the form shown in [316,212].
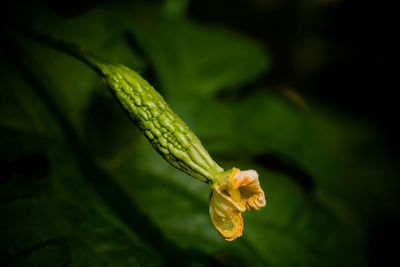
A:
[168,134]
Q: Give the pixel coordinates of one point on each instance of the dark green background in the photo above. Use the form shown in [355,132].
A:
[297,90]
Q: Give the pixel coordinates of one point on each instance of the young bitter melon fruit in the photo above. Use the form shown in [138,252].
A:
[168,134]
[232,191]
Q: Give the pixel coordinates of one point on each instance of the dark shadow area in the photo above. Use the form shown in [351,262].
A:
[34,164]
[284,165]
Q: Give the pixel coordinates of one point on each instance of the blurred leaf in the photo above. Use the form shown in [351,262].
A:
[60,206]
[56,219]
[74,83]
[48,212]
[193,60]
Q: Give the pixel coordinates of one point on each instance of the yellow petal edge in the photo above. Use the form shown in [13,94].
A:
[231,195]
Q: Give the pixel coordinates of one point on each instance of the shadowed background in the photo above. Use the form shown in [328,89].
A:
[297,90]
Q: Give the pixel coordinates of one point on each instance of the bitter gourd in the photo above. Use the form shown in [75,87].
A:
[168,134]
[233,191]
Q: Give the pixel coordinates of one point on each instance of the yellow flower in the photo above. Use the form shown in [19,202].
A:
[233,193]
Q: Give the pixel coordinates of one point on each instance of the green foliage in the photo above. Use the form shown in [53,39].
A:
[81,187]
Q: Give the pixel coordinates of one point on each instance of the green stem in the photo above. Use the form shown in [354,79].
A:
[79,52]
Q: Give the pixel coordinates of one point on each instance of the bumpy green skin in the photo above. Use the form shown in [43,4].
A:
[168,134]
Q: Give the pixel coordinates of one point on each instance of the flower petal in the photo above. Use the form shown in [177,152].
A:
[232,194]
[226,216]
[250,191]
